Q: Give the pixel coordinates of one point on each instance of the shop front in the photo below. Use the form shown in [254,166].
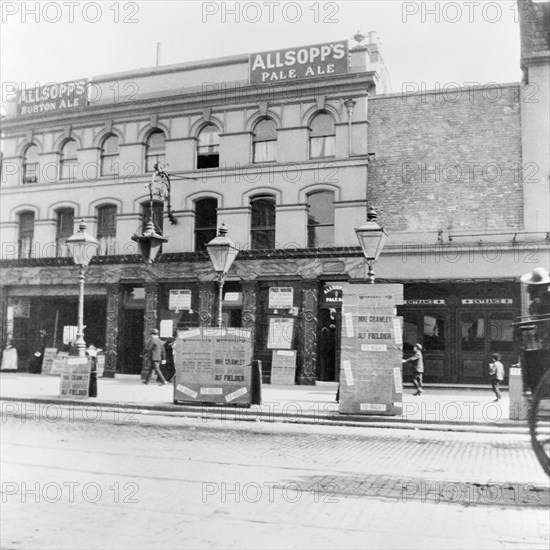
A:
[459,326]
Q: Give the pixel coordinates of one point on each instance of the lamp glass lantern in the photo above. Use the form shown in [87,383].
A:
[149,242]
[82,246]
[372,239]
[222,252]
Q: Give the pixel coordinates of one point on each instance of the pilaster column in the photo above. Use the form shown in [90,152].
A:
[307,367]
[150,316]
[249,307]
[207,296]
[114,297]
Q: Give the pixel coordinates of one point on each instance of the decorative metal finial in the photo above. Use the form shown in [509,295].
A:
[372,214]
[359,37]
[223,230]
[83,226]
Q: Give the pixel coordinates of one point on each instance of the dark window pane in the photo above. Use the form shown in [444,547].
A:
[158,212]
[206,220]
[208,148]
[434,332]
[106,220]
[65,228]
[263,222]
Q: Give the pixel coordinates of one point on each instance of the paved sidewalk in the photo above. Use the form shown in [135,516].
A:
[456,409]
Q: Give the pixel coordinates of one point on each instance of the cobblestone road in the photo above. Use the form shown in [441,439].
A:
[146,481]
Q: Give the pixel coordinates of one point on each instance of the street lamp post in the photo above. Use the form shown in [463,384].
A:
[372,238]
[82,246]
[222,252]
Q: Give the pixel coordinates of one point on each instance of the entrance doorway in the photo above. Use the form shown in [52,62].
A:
[328,362]
[131,341]
[480,334]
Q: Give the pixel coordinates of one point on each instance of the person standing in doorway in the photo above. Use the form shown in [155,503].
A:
[155,356]
[417,363]
[496,372]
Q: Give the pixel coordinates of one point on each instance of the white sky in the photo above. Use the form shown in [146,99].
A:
[475,41]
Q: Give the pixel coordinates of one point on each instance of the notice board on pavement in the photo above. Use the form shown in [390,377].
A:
[283,367]
[75,378]
[213,365]
[48,359]
[371,352]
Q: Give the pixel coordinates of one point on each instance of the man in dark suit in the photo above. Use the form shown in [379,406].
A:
[154,354]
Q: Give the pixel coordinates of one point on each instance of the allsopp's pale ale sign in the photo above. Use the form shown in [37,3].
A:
[52,97]
[296,63]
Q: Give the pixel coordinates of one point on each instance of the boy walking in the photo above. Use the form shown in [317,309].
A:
[154,354]
[496,372]
[417,363]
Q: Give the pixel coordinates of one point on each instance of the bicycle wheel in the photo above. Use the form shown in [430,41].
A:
[539,422]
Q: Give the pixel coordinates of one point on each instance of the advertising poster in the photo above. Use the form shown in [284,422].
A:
[281,297]
[47,361]
[75,378]
[52,97]
[372,344]
[213,366]
[180,299]
[318,60]
[283,367]
[281,332]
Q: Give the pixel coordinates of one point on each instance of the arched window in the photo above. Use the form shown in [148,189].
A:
[265,140]
[206,222]
[106,229]
[65,228]
[26,234]
[109,156]
[262,227]
[322,136]
[155,150]
[30,164]
[320,219]
[208,147]
[68,160]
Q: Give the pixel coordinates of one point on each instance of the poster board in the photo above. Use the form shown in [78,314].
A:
[75,378]
[281,333]
[213,365]
[69,334]
[100,365]
[180,299]
[47,361]
[283,367]
[59,363]
[371,352]
[281,297]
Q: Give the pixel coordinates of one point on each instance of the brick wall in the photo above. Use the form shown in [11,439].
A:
[447,160]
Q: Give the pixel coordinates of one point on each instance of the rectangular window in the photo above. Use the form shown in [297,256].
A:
[26,234]
[65,228]
[106,230]
[30,172]
[264,151]
[323,146]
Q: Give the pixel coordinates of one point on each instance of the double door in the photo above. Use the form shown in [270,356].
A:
[458,342]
